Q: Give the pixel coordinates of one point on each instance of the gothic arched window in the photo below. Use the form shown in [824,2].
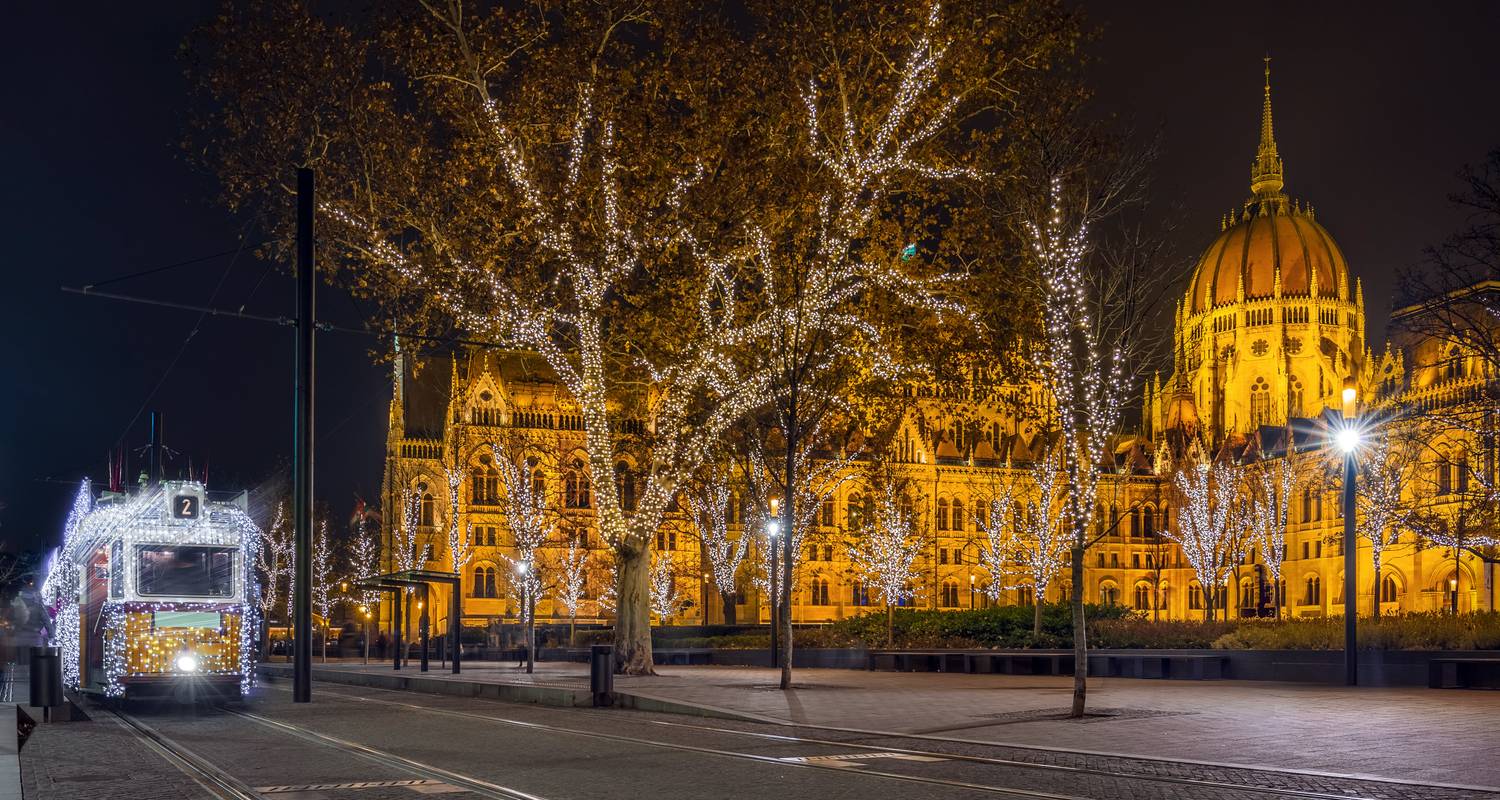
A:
[625,486]
[576,485]
[1260,403]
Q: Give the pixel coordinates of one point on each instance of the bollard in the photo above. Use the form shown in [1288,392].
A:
[602,674]
[46,679]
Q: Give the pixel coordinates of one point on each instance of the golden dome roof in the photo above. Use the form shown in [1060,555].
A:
[1276,240]
[1271,239]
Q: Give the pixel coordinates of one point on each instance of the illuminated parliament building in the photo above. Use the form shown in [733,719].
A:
[1270,329]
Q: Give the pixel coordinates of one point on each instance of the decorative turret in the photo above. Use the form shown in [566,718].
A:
[1266,177]
[398,393]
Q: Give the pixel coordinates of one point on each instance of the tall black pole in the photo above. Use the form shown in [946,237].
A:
[1351,586]
[302,441]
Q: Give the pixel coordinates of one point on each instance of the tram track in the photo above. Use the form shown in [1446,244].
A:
[1119,775]
[221,785]
[218,783]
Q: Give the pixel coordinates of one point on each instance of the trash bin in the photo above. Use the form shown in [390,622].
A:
[46,677]
[602,674]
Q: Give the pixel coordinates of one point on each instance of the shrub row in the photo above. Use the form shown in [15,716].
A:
[1010,627]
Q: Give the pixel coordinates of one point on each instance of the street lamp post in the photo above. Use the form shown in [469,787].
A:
[773,530]
[1453,594]
[1348,441]
[971,591]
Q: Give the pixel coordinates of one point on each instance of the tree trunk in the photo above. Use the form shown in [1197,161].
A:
[633,608]
[1036,616]
[367,641]
[1375,598]
[890,624]
[729,612]
[530,632]
[1080,638]
[573,628]
[789,524]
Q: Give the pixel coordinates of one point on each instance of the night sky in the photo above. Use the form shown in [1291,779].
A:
[1377,106]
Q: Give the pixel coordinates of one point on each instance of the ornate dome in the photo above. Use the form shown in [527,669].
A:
[1271,239]
[1274,241]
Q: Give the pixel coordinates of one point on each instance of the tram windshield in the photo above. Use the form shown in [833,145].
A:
[185,571]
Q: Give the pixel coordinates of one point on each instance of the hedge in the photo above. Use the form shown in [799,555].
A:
[1115,627]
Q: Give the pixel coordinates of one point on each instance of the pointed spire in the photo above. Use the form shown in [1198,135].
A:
[1266,175]
[397,428]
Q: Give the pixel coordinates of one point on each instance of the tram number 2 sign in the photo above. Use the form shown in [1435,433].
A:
[185,506]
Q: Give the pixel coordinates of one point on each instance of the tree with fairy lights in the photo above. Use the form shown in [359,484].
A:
[1456,466]
[1384,493]
[1096,309]
[364,562]
[1273,487]
[665,601]
[1026,533]
[572,570]
[274,563]
[711,501]
[506,170]
[886,549]
[460,540]
[817,480]
[1210,524]
[322,578]
[531,523]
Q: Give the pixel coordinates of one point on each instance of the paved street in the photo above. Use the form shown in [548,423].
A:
[1362,731]
[370,744]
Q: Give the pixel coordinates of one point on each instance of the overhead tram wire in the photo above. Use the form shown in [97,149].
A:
[326,327]
[154,270]
[197,325]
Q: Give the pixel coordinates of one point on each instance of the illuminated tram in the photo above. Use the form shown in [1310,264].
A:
[153,593]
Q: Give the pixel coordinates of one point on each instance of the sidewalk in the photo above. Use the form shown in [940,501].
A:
[1423,735]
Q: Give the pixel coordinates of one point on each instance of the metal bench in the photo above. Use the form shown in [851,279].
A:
[1463,673]
[1161,666]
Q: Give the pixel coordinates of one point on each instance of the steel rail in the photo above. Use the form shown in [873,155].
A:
[478,786]
[216,781]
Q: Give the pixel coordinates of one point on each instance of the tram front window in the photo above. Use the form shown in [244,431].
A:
[185,571]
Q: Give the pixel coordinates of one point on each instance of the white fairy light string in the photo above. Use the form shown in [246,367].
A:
[711,506]
[888,549]
[1270,513]
[460,541]
[1209,522]
[102,530]
[1027,537]
[1085,379]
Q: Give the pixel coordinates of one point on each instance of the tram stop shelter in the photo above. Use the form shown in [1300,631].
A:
[420,581]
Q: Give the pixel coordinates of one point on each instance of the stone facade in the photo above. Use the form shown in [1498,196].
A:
[1268,332]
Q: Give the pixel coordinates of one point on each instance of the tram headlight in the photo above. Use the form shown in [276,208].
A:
[187,662]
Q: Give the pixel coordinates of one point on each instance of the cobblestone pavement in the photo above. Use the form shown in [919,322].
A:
[98,761]
[585,753]
[1421,735]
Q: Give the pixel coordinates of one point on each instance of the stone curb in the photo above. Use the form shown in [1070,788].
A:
[533,694]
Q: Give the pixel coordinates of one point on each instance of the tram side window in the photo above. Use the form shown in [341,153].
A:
[185,571]
[117,569]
